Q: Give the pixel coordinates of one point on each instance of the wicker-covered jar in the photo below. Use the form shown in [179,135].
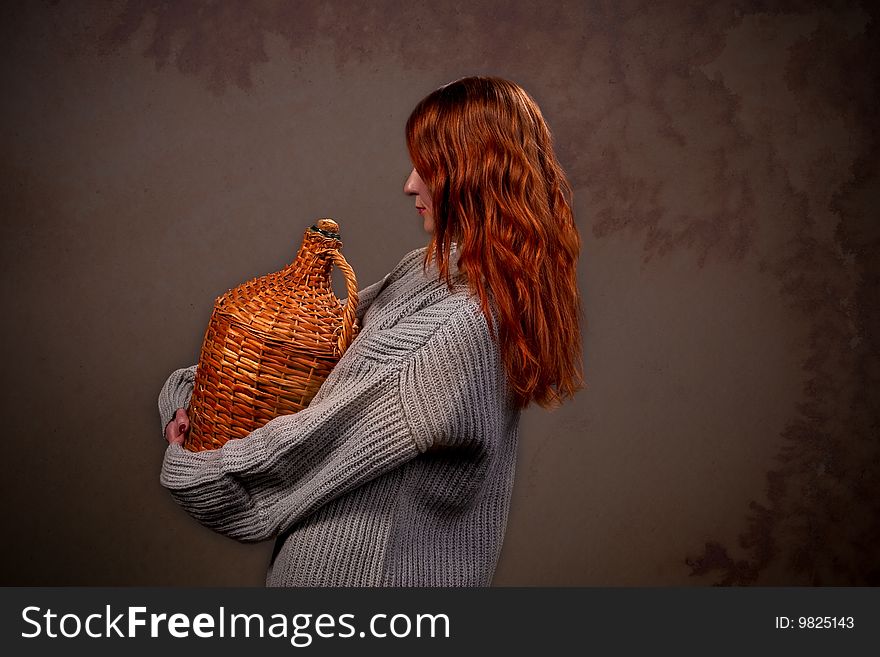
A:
[271,342]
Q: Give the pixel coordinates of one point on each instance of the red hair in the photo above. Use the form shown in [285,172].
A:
[482,147]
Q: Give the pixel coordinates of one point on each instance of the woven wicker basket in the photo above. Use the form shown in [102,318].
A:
[271,342]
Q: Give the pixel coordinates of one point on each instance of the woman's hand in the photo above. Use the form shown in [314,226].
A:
[175,432]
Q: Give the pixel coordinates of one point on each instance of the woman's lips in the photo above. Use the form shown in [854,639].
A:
[421,210]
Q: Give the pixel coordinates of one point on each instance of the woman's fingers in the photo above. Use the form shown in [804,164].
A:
[172,435]
[176,430]
[182,420]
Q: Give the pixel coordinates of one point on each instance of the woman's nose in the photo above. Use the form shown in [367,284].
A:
[409,187]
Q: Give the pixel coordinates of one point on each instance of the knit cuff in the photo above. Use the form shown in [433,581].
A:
[176,393]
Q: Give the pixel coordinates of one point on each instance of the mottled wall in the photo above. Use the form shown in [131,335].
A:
[725,168]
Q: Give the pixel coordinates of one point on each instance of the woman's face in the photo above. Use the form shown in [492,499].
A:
[415,186]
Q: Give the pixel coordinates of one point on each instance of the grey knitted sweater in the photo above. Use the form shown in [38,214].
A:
[399,472]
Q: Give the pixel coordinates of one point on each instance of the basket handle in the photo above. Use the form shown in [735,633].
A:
[350,308]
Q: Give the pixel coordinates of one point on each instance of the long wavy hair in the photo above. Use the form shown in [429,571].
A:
[484,151]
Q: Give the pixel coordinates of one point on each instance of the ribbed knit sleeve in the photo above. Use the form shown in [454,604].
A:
[256,487]
[454,389]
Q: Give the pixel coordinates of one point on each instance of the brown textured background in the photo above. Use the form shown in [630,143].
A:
[725,165]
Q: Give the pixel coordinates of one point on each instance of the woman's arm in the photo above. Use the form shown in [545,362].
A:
[255,487]
[355,429]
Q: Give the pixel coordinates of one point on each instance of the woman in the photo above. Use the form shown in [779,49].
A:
[400,471]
